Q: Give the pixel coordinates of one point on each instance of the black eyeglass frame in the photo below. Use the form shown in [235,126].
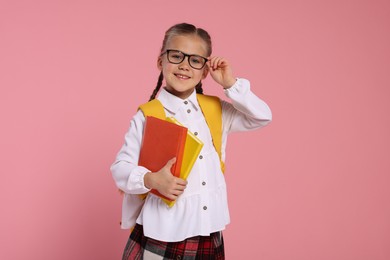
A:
[184,57]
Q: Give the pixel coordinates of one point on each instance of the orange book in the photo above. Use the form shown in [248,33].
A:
[161,142]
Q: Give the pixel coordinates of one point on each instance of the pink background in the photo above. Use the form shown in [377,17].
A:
[73,72]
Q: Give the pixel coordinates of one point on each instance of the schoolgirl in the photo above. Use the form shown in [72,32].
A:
[192,228]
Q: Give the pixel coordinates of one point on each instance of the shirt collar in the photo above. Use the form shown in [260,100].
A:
[173,103]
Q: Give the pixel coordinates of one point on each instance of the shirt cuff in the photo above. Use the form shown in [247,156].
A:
[241,87]
[136,180]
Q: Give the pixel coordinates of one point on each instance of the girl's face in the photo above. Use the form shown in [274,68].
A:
[181,78]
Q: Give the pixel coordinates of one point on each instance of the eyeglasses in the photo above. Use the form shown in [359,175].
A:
[176,57]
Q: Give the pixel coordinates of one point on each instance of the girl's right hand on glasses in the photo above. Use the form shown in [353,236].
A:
[221,71]
[164,182]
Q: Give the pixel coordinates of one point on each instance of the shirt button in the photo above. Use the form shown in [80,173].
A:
[186,102]
[203,183]
[188,110]
[196,133]
[204,207]
[201,157]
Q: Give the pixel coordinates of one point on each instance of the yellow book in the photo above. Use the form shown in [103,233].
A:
[192,149]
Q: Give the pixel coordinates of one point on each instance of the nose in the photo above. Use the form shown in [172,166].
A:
[185,65]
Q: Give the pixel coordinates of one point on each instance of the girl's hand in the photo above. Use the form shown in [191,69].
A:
[163,181]
[221,71]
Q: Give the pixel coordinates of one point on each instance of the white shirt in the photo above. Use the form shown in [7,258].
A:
[202,208]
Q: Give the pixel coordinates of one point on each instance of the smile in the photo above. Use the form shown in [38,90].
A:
[181,76]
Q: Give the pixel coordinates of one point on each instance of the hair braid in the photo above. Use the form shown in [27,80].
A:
[199,88]
[158,86]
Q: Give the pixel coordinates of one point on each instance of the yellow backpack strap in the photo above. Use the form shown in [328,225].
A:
[212,111]
[153,108]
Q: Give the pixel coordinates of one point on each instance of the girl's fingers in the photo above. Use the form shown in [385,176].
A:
[171,162]
[180,185]
[181,182]
[212,62]
[177,192]
[217,62]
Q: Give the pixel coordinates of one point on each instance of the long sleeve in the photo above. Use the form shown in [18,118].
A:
[128,176]
[246,112]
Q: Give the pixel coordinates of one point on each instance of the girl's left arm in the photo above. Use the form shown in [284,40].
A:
[247,111]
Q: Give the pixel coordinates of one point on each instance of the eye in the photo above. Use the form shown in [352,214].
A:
[196,60]
[175,56]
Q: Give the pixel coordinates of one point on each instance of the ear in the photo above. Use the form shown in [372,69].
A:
[159,63]
[205,72]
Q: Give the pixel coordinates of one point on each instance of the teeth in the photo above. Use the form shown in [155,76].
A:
[182,76]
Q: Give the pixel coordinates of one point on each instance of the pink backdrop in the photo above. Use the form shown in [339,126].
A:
[73,72]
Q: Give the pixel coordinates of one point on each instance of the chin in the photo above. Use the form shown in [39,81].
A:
[181,92]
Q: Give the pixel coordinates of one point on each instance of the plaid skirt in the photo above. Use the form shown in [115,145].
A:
[193,248]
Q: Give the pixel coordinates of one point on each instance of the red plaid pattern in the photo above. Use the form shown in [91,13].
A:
[194,248]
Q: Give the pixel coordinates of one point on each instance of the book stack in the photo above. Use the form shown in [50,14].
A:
[164,140]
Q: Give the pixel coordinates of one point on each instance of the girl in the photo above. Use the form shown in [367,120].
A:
[191,229]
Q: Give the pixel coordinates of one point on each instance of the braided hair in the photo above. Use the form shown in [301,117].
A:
[182,29]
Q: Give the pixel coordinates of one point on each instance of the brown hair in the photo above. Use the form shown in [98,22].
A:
[183,29]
